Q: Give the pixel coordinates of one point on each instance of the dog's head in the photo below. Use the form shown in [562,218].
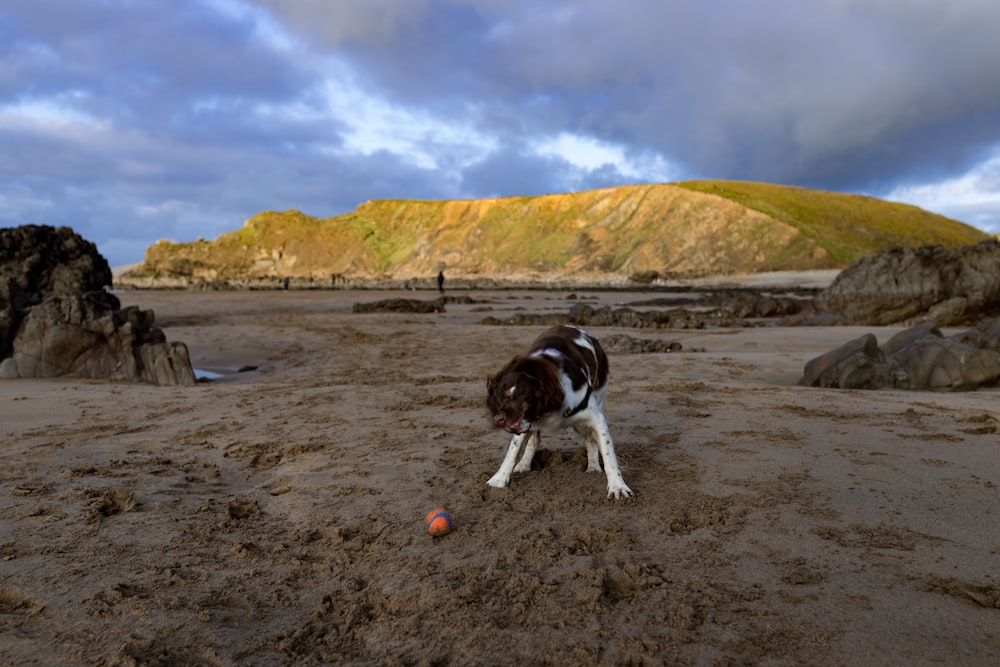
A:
[520,395]
[509,398]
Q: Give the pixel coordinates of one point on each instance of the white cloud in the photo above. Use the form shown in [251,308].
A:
[589,154]
[973,197]
[55,112]
[172,207]
[417,137]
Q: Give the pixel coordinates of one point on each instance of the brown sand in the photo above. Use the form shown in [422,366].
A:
[275,516]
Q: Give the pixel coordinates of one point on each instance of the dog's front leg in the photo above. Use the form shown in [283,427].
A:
[502,476]
[616,485]
[524,465]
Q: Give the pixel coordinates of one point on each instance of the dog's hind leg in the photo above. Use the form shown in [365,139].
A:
[616,485]
[593,460]
[502,476]
[524,465]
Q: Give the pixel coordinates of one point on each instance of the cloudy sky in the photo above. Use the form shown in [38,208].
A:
[136,120]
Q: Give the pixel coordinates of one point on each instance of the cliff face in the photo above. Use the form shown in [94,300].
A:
[684,230]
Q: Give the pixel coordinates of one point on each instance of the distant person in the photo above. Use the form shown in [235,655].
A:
[441,282]
[286,283]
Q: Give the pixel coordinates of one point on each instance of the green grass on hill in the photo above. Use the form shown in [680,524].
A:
[846,226]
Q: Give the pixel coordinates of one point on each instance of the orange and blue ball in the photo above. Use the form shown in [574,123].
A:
[438,522]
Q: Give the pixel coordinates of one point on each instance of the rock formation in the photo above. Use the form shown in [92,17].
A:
[917,358]
[946,286]
[728,308]
[401,306]
[624,344]
[57,319]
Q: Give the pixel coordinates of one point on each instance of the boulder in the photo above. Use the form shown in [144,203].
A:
[858,364]
[942,364]
[36,260]
[909,336]
[919,358]
[985,335]
[947,286]
[57,320]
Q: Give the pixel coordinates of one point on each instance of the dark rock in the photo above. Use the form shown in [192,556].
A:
[859,364]
[677,318]
[585,315]
[754,304]
[909,336]
[932,283]
[951,311]
[462,299]
[938,363]
[985,335]
[917,358]
[56,319]
[728,308]
[37,260]
[644,277]
[823,320]
[84,336]
[401,306]
[525,319]
[624,344]
[669,301]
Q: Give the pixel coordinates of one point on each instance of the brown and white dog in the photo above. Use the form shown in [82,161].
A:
[560,382]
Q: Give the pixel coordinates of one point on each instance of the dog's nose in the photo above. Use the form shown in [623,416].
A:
[499,419]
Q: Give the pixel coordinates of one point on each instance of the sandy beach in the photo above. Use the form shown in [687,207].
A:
[275,516]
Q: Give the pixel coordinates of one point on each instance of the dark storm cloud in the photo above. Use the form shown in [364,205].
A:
[145,120]
[838,93]
[137,120]
[137,63]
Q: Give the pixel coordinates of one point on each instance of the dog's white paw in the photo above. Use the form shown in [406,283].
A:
[497,482]
[618,491]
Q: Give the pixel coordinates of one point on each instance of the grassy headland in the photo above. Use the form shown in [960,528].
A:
[689,229]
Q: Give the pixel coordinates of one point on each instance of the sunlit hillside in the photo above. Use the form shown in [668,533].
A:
[689,229]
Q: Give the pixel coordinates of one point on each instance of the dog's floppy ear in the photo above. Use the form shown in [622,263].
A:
[491,383]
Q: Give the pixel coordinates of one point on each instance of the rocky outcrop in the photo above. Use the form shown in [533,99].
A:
[400,306]
[625,344]
[57,319]
[917,358]
[946,286]
[90,336]
[858,364]
[36,261]
[729,308]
